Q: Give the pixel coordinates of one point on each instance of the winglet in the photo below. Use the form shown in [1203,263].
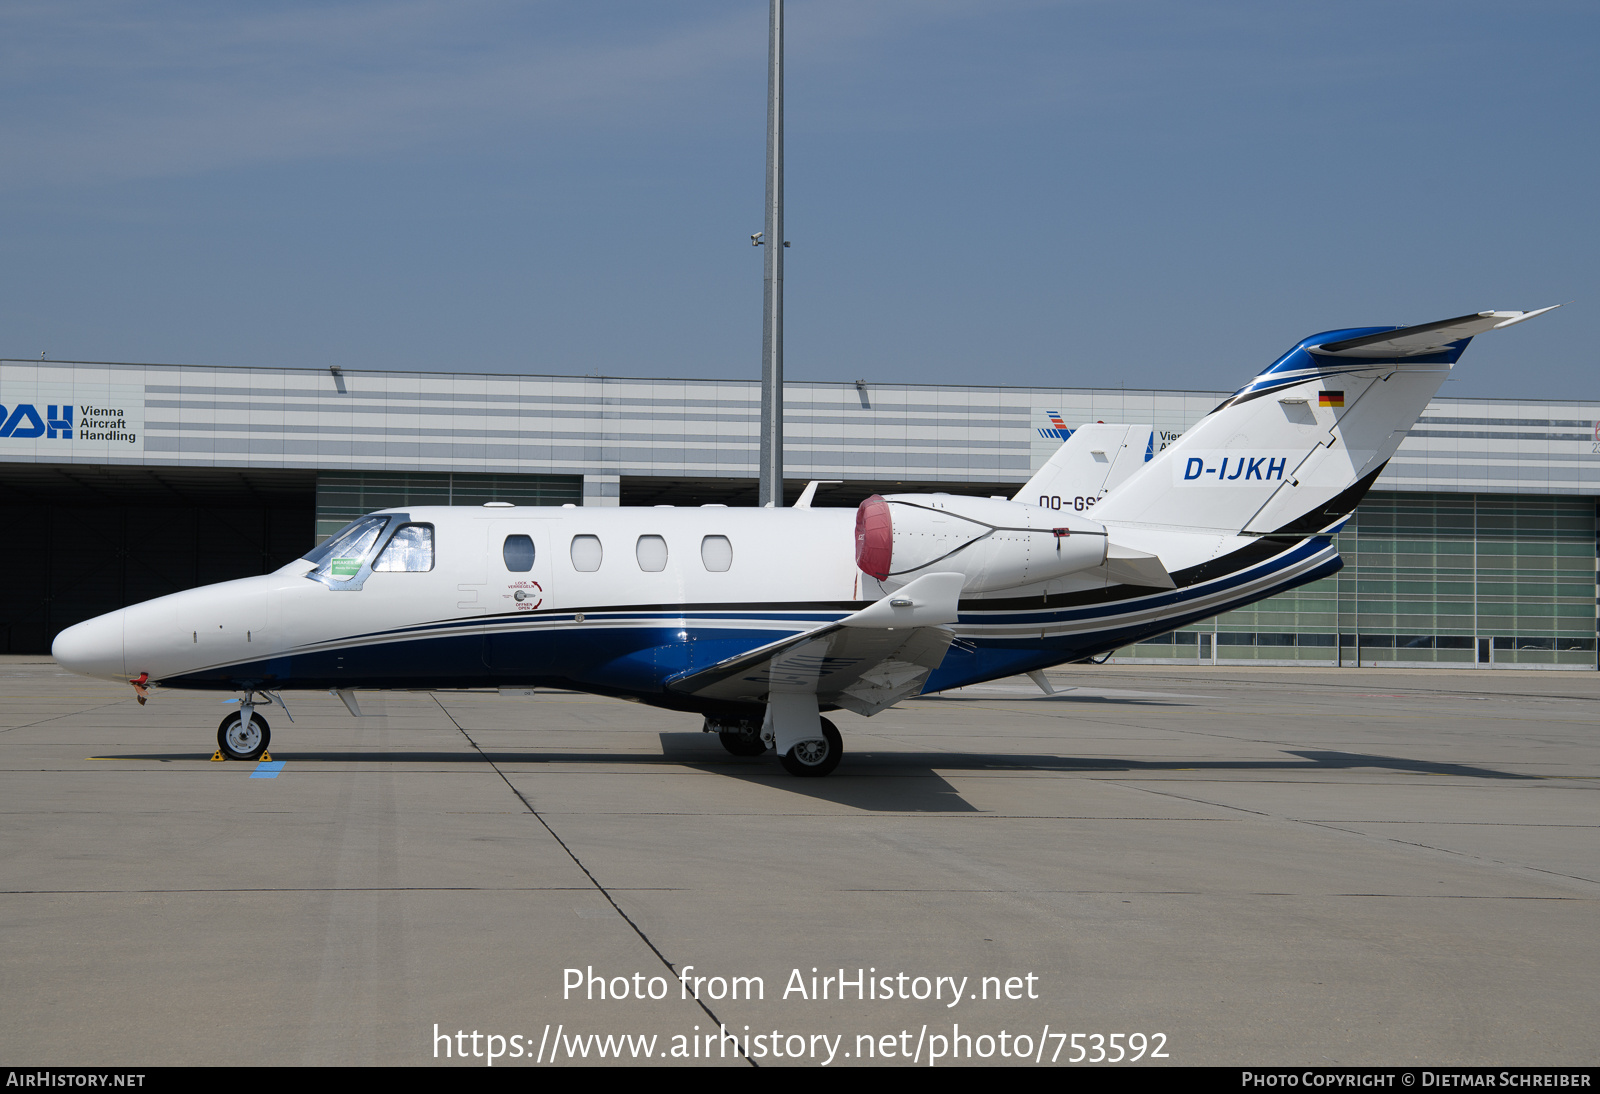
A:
[1517,317]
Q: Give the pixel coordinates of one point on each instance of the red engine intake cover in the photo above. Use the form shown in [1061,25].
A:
[874,537]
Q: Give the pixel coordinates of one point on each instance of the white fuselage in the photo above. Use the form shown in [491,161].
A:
[615,600]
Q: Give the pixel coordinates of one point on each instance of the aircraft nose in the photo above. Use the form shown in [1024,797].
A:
[93,647]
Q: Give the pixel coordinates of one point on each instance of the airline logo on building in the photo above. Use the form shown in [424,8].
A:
[25,421]
[1057,429]
[96,423]
[49,412]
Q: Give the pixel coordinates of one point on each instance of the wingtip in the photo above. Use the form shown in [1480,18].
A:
[1520,316]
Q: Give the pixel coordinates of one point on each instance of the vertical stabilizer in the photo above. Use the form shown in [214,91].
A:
[1284,452]
[1090,463]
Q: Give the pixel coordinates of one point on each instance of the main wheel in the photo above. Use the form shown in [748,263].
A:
[240,742]
[741,743]
[815,758]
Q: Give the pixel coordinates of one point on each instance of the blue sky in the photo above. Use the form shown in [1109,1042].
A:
[1144,193]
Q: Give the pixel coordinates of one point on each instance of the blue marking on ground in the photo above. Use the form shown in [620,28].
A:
[268,769]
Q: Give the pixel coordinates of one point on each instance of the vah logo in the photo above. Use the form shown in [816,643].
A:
[67,422]
[25,421]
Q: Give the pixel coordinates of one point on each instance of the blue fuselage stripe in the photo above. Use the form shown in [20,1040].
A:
[632,652]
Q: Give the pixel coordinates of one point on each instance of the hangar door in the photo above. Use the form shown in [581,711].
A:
[82,540]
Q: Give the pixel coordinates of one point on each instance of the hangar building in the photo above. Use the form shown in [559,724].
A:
[121,482]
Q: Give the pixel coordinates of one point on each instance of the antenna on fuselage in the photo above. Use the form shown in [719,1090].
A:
[770,486]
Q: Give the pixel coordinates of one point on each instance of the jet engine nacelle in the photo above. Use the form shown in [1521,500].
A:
[995,544]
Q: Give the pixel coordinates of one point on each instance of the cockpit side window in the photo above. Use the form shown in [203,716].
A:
[410,550]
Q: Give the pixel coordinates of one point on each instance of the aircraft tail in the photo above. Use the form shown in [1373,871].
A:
[1091,462]
[1293,451]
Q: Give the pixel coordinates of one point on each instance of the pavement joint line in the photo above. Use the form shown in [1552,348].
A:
[326,889]
[626,918]
[1217,893]
[1483,824]
[1420,693]
[664,889]
[1197,801]
[890,814]
[1466,855]
[69,714]
[1386,839]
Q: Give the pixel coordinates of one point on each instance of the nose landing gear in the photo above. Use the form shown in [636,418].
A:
[244,734]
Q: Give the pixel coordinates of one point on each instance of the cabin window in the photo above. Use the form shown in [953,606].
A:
[586,553]
[518,553]
[652,554]
[717,553]
[410,550]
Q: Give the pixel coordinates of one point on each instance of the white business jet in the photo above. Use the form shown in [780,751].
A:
[761,620]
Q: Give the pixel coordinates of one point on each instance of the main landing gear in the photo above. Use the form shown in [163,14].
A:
[807,759]
[815,758]
[740,736]
[244,734]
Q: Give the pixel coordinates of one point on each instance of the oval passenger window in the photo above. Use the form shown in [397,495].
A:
[586,553]
[652,553]
[518,553]
[717,553]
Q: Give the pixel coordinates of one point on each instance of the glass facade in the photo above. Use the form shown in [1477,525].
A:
[342,496]
[1445,578]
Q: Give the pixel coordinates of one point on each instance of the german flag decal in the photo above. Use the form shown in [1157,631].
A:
[1330,398]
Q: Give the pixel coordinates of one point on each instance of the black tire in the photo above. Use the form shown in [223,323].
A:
[243,744]
[742,744]
[808,761]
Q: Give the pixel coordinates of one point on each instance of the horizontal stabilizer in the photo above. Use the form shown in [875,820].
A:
[1426,337]
[927,601]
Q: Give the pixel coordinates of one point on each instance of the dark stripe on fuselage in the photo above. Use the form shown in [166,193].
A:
[1303,528]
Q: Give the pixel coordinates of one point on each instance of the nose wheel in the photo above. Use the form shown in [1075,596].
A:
[240,739]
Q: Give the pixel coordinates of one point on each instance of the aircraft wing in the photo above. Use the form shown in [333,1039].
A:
[864,662]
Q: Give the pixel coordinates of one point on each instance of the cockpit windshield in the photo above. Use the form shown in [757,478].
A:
[340,557]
